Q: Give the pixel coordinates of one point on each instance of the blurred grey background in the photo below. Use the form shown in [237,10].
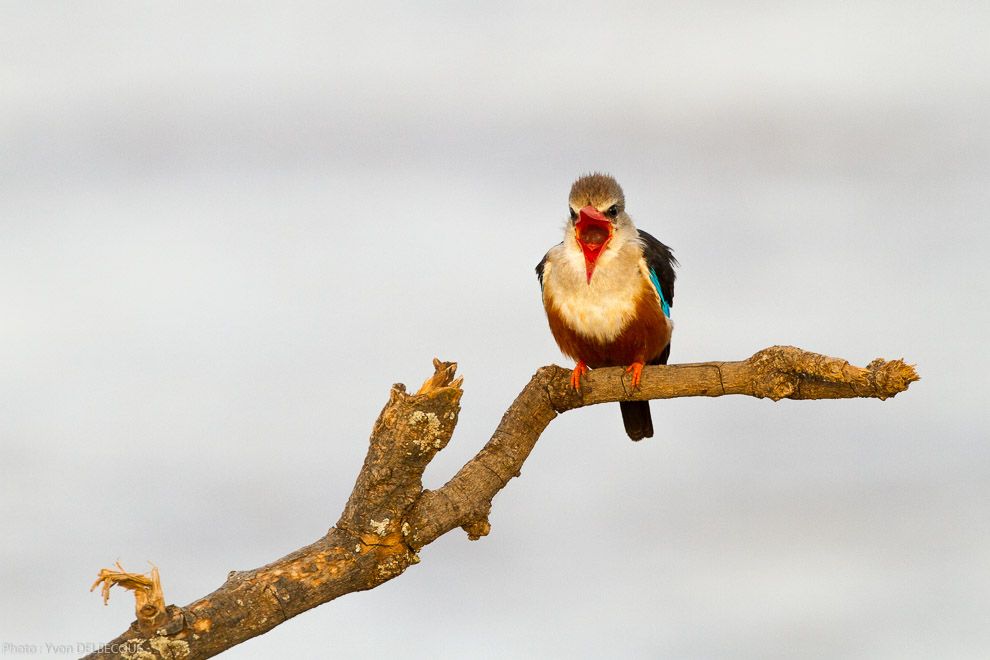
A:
[227,228]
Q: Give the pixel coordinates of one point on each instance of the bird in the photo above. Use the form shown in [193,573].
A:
[607,290]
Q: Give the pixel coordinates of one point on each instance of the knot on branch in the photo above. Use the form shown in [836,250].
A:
[780,370]
[890,377]
[392,554]
[477,528]
[556,381]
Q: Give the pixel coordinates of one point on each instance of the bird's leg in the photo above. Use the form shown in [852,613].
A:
[579,371]
[637,369]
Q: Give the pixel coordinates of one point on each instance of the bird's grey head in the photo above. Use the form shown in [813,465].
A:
[598,224]
[601,192]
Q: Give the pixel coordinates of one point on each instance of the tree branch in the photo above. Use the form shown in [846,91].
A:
[389,516]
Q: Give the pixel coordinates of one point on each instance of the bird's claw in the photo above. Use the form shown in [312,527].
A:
[579,371]
[637,370]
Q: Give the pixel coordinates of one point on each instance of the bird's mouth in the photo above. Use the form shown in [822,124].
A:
[592,231]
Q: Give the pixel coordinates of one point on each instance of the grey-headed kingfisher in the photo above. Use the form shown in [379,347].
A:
[607,290]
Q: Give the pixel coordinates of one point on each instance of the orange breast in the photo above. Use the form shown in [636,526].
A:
[643,340]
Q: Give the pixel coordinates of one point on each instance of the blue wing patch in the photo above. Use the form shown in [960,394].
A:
[656,285]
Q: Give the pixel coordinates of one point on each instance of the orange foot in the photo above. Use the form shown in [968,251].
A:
[579,371]
[637,369]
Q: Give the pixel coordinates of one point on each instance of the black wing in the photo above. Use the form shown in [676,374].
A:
[539,268]
[660,260]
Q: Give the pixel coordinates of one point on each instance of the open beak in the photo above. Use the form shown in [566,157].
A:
[593,231]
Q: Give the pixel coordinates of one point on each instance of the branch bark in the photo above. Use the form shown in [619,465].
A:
[389,516]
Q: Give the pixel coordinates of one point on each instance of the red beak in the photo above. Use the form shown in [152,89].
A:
[593,231]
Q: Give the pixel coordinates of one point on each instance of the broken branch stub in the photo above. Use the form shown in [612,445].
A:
[149,600]
[409,432]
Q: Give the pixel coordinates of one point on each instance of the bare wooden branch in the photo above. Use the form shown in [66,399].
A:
[389,516]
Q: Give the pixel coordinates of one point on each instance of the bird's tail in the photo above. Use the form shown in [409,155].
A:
[636,418]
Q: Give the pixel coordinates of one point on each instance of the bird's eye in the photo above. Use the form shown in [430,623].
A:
[573,214]
[612,211]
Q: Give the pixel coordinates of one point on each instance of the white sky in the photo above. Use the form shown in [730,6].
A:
[226,229]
